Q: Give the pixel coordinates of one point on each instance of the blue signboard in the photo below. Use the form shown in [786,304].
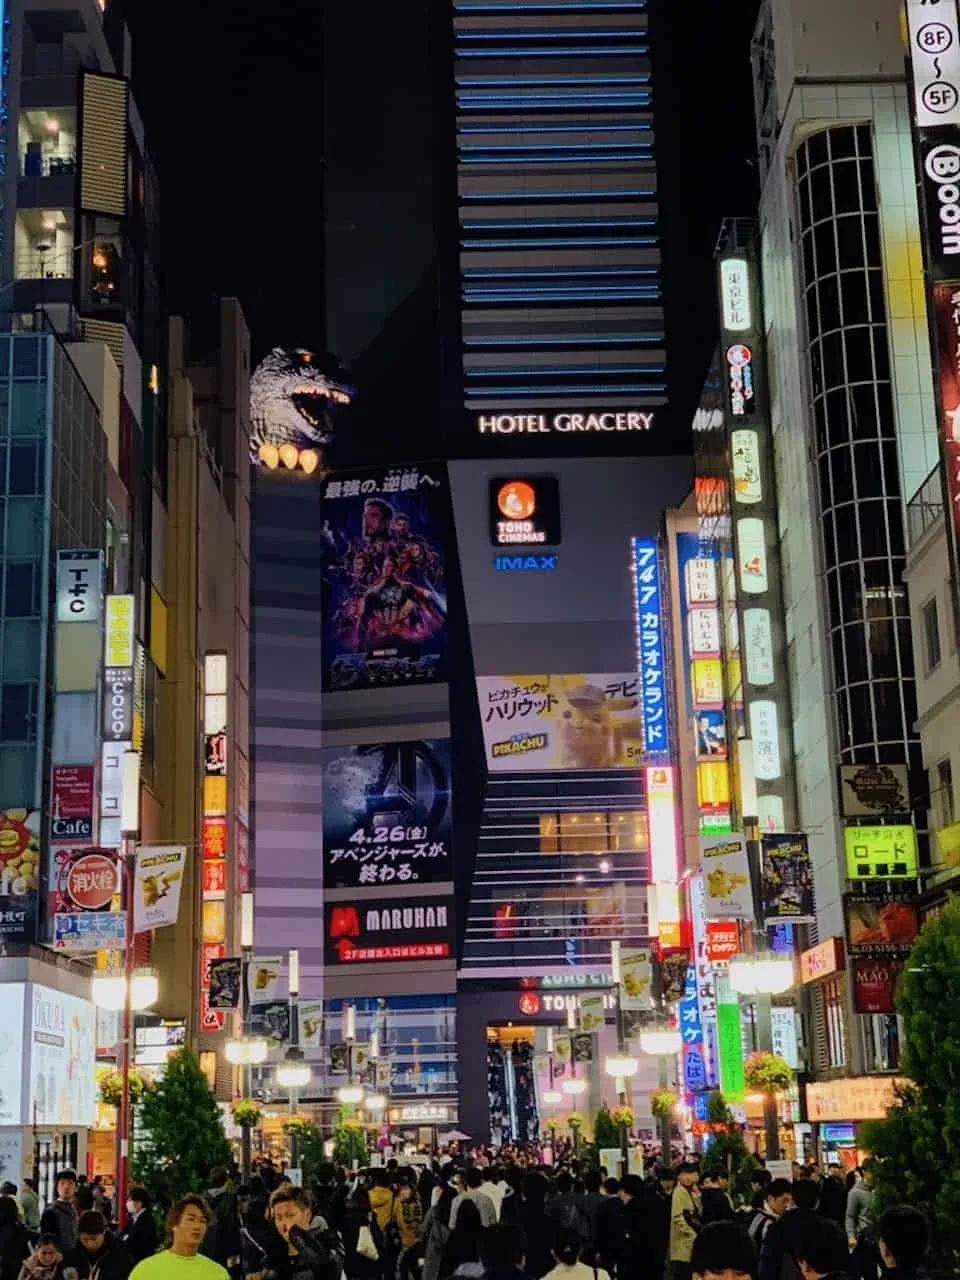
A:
[85,932]
[646,570]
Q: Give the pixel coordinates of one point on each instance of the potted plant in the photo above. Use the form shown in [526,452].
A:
[767,1072]
[246,1113]
[623,1118]
[662,1102]
[110,1086]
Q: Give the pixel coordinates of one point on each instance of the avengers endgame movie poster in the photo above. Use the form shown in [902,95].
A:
[384,578]
[386,814]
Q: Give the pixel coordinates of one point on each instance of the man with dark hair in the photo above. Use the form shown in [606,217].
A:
[98,1256]
[503,1253]
[222,1241]
[592,1201]
[685,1218]
[315,1250]
[140,1236]
[485,1206]
[783,1238]
[775,1205]
[566,1208]
[903,1242]
[187,1224]
[715,1196]
[60,1218]
[833,1194]
[723,1251]
[859,1221]
[823,1252]
[760,1179]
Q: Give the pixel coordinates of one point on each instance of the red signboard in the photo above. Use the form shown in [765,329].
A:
[93,880]
[874,984]
[722,941]
[71,802]
[214,837]
[946,303]
[241,858]
[214,878]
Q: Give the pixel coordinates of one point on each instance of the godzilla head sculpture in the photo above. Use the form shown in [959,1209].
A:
[292,400]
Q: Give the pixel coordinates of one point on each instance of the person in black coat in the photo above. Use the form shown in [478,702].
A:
[140,1237]
[14,1239]
[649,1229]
[537,1225]
[833,1195]
[715,1200]
[784,1239]
[97,1255]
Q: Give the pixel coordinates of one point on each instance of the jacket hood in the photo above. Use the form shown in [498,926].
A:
[380,1196]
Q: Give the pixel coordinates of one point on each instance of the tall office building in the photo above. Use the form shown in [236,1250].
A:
[559,257]
[853,428]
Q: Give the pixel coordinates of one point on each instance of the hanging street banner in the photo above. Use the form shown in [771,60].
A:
[384,578]
[386,814]
[226,980]
[310,1017]
[159,878]
[728,894]
[556,722]
[636,980]
[787,879]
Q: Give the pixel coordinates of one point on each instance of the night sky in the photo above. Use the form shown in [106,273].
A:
[232,96]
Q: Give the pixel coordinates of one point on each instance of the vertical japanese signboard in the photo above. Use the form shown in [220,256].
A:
[650,647]
[213,933]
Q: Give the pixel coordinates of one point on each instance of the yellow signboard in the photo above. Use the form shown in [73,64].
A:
[881,853]
[214,795]
[118,630]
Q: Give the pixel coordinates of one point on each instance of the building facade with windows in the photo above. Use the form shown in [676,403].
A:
[854,435]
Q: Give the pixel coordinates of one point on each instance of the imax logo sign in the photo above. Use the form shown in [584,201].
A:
[525,564]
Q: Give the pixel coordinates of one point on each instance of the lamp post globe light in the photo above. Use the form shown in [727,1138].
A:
[350,1095]
[661,1041]
[552,1097]
[109,990]
[246,1051]
[575,1086]
[293,1072]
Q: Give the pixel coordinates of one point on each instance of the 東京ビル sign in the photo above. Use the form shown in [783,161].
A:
[405,929]
[881,853]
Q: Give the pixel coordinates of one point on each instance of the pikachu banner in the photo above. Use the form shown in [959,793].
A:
[561,722]
[726,877]
[157,888]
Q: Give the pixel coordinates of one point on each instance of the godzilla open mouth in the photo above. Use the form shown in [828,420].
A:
[311,403]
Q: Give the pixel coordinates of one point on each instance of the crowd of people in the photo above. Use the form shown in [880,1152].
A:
[471,1218]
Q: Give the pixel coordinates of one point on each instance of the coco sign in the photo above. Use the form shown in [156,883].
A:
[93,880]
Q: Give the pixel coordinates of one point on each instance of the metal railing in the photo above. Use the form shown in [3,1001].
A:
[925,507]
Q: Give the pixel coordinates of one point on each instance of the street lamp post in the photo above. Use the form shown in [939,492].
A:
[622,1067]
[248,1051]
[293,1073]
[350,1094]
[763,976]
[129,828]
[663,1042]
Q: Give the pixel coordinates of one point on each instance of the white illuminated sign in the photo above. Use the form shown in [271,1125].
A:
[765,736]
[507,424]
[78,586]
[752,556]
[215,673]
[662,823]
[770,816]
[745,451]
[758,646]
[701,575]
[935,62]
[703,633]
[735,294]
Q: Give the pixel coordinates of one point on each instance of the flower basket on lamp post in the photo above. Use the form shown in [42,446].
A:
[767,1073]
[662,1103]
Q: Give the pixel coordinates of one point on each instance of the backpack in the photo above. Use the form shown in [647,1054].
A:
[571,1217]
[759,1228]
[223,1243]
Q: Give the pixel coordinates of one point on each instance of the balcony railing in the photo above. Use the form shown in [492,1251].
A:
[34,166]
[925,507]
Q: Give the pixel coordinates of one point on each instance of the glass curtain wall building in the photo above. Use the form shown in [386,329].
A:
[559,252]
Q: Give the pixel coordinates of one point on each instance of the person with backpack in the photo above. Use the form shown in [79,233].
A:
[222,1242]
[567,1210]
[783,1237]
[775,1205]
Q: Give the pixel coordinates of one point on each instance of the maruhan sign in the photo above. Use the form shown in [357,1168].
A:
[505,424]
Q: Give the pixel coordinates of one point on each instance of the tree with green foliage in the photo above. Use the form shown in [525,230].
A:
[916,1146]
[605,1133]
[349,1140]
[180,1135]
[727,1154]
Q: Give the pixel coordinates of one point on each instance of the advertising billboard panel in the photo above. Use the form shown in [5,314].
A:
[554,722]
[880,924]
[881,853]
[62,1051]
[19,874]
[651,651]
[869,790]
[787,879]
[946,307]
[384,578]
[386,814]
[405,929]
[525,511]
[726,877]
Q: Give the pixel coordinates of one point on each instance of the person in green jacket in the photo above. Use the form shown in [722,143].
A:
[187,1224]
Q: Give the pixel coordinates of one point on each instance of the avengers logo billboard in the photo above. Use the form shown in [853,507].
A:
[404,929]
[384,578]
[386,814]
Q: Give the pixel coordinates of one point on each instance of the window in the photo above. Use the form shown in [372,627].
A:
[930,623]
[836,1031]
[17,712]
[941,793]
